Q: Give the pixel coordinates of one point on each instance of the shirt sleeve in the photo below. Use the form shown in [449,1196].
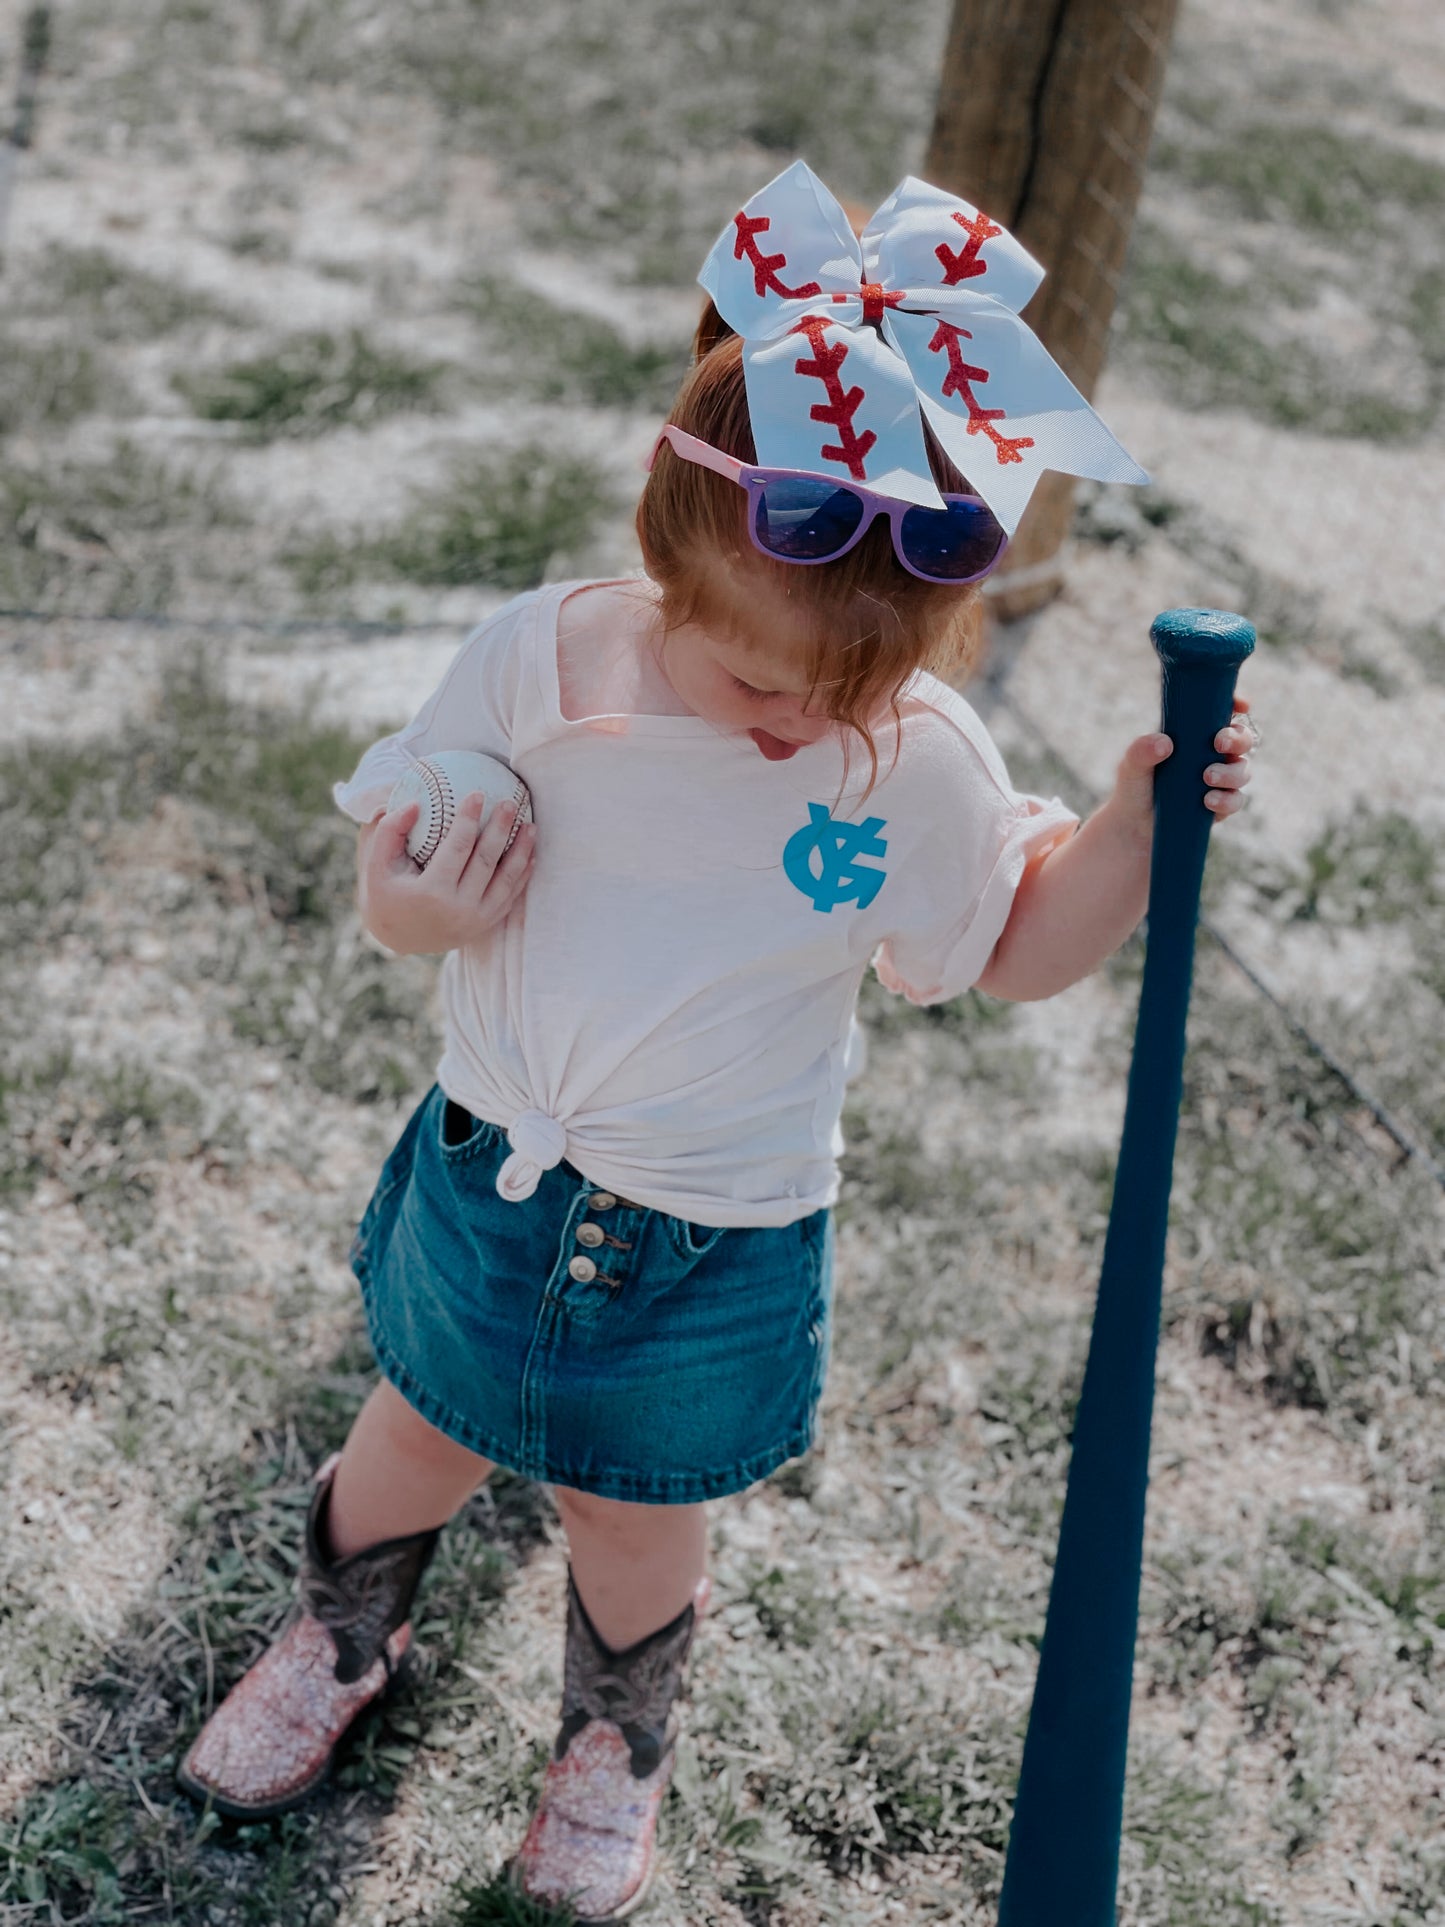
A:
[964,875]
[473,707]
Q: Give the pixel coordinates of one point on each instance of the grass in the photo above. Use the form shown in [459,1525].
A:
[1424,315]
[1372,866]
[611,132]
[1313,177]
[1178,1862]
[609,128]
[110,534]
[114,300]
[82,1845]
[51,1856]
[1288,614]
[1211,342]
[1326,1330]
[100,1133]
[1379,869]
[272,868]
[498,1904]
[312,383]
[268,245]
[557,354]
[1426,643]
[48,386]
[1245,340]
[1251,1166]
[500,520]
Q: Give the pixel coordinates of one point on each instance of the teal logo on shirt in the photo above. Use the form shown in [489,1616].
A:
[837,876]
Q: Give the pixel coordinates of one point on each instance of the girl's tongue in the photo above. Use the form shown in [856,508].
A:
[772,747]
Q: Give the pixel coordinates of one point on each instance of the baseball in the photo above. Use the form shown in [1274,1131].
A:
[440,781]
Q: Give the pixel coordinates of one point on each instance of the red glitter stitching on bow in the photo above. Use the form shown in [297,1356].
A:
[956,382]
[875,299]
[842,404]
[962,264]
[765,266]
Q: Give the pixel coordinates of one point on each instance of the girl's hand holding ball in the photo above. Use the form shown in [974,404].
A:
[466,888]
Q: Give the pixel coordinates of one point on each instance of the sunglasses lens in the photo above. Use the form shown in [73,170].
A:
[952,543]
[802,520]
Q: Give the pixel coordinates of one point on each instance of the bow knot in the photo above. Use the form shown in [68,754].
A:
[538,1143]
[876,298]
[883,320]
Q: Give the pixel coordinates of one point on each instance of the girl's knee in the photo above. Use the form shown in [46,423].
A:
[621,1518]
[416,1438]
[590,1508]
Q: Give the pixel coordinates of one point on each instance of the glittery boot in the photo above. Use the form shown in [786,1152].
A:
[593,1838]
[272,1739]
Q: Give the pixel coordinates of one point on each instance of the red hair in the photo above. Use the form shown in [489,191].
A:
[870,622]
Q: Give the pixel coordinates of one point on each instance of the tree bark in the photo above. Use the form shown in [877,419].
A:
[1043,120]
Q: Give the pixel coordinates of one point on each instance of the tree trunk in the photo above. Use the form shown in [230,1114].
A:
[1043,120]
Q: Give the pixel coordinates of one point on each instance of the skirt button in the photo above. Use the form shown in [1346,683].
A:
[590,1235]
[602,1201]
[583,1270]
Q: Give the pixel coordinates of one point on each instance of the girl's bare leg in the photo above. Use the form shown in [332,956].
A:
[397,1475]
[635,1593]
[635,1566]
[272,1739]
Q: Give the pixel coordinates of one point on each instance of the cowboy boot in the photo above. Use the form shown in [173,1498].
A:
[592,1840]
[274,1736]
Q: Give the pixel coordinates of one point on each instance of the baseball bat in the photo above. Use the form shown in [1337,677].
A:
[1062,1868]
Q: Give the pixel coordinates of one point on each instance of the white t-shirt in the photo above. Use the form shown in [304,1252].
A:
[671,1005]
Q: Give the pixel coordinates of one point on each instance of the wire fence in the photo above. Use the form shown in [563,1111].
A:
[1408,1143]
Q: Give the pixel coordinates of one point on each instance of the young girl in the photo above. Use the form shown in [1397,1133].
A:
[601,1251]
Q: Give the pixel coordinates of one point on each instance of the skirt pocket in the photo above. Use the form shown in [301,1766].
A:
[690,1241]
[462,1136]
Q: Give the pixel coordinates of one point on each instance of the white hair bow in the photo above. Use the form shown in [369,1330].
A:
[829,395]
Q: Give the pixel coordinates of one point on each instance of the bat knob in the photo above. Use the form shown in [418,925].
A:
[1201,638]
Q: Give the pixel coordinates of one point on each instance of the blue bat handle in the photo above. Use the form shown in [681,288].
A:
[1063,1854]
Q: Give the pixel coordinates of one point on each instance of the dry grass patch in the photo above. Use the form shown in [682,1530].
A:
[505,521]
[110,299]
[113,534]
[311,383]
[556,354]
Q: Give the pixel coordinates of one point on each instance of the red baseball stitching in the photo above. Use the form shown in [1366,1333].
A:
[439,791]
[765,266]
[962,264]
[443,801]
[842,403]
[956,382]
[522,798]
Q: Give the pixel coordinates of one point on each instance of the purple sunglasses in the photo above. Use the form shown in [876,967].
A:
[794,516]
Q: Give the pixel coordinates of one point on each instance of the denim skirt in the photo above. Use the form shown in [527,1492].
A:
[581,1339]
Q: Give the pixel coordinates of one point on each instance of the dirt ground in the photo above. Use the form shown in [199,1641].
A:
[324,328]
